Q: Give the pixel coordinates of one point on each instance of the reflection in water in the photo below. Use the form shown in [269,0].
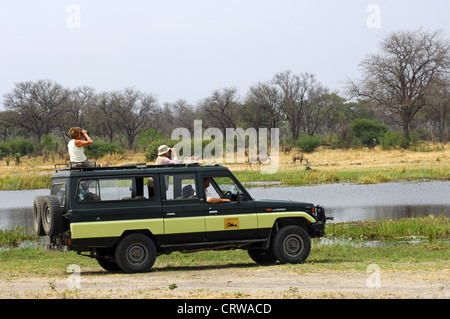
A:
[344,202]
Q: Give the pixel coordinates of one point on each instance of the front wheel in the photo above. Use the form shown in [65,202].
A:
[291,245]
[135,253]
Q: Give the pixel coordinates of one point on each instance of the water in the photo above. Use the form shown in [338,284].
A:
[16,207]
[344,202]
[348,202]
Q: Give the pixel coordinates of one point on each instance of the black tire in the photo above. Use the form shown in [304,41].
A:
[108,265]
[291,245]
[37,215]
[135,253]
[52,220]
[262,256]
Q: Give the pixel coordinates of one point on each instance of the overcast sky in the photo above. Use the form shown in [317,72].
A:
[189,48]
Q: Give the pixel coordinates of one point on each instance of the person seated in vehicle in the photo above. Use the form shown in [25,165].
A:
[166,156]
[84,195]
[76,146]
[209,198]
[188,191]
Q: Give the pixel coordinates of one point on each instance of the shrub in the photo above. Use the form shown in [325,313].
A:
[100,149]
[368,130]
[393,140]
[13,146]
[309,143]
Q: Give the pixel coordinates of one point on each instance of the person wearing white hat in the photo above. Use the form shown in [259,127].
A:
[166,156]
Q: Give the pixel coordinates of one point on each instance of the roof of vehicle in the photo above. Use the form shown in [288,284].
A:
[63,170]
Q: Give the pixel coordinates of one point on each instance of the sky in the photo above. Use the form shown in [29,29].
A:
[186,49]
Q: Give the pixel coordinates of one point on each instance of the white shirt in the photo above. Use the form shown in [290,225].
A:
[76,153]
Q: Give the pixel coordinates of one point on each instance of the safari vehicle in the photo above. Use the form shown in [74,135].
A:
[126,216]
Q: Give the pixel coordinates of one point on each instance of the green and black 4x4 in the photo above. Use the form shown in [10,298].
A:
[126,216]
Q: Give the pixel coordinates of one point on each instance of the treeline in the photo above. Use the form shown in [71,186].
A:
[402,97]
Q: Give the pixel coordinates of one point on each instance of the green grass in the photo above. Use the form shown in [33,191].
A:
[430,227]
[426,256]
[14,236]
[357,176]
[26,181]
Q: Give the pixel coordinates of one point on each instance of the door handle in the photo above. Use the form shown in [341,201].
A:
[171,214]
[213,211]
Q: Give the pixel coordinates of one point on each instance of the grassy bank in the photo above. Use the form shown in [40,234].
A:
[368,175]
[433,254]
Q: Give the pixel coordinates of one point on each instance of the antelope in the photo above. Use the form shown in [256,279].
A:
[299,157]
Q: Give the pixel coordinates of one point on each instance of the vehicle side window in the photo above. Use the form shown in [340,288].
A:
[223,187]
[114,189]
[117,189]
[88,191]
[59,190]
[180,186]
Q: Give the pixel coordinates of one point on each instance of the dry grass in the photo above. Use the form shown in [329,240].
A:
[327,166]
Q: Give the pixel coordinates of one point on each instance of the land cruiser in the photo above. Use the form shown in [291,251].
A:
[125,216]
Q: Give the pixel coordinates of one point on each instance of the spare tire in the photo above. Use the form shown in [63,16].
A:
[37,215]
[52,220]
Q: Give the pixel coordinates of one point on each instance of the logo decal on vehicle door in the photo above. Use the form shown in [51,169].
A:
[231,223]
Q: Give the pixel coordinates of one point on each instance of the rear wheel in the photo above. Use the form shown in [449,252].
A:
[37,215]
[291,245]
[52,220]
[135,253]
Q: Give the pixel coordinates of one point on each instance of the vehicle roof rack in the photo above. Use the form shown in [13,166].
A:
[97,167]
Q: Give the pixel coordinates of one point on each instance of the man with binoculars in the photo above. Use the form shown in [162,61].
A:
[77,144]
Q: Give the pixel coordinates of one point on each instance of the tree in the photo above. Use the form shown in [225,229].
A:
[399,78]
[40,105]
[136,111]
[263,106]
[435,113]
[301,99]
[219,108]
[102,119]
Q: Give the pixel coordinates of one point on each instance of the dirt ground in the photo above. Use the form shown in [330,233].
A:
[230,282]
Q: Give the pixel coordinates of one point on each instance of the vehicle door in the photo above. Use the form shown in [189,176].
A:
[234,220]
[183,213]
[111,204]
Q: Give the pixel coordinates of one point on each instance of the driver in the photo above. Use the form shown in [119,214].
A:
[209,199]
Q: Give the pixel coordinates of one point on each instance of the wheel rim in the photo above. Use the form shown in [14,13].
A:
[293,245]
[47,216]
[136,254]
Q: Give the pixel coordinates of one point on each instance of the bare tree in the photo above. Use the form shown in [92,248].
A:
[263,105]
[40,105]
[136,111]
[399,78]
[218,109]
[300,94]
[102,120]
[8,120]
[435,113]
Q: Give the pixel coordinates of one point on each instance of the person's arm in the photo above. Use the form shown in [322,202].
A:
[218,200]
[81,143]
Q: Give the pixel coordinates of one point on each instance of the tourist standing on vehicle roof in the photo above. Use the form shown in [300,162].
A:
[77,144]
[166,156]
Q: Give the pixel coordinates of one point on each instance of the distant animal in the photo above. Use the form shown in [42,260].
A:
[258,160]
[299,157]
[371,145]
[286,148]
